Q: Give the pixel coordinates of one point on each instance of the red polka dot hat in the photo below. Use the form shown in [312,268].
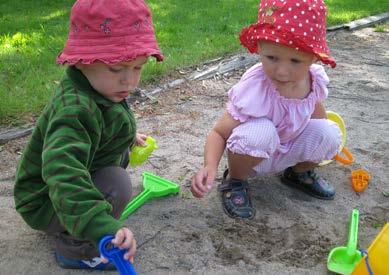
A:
[299,24]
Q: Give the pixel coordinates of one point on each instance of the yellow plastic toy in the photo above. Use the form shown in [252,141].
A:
[342,126]
[378,256]
[140,154]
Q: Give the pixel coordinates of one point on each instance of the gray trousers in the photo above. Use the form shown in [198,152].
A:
[114,183]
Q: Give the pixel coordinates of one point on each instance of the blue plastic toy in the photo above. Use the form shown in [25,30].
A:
[115,255]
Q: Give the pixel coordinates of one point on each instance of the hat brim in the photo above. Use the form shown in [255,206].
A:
[114,50]
[251,35]
[109,59]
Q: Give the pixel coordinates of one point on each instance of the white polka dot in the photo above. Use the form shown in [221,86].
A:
[255,30]
[287,21]
[279,27]
[252,37]
[311,29]
[257,36]
[298,4]
[318,12]
[302,12]
[314,17]
[263,31]
[277,40]
[295,17]
[321,7]
[300,25]
[274,3]
[272,32]
[297,48]
[305,34]
[282,15]
[265,4]
[291,42]
[289,9]
[266,37]
[292,29]
[314,38]
[307,21]
[309,8]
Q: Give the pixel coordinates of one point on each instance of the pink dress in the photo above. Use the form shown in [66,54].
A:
[277,128]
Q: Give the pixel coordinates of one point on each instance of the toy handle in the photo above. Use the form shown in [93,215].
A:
[353,232]
[342,160]
[115,255]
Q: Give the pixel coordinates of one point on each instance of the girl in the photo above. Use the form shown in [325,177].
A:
[275,118]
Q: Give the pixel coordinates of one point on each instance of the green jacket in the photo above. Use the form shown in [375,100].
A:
[79,132]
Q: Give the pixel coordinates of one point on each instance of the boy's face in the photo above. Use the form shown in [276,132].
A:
[283,65]
[114,82]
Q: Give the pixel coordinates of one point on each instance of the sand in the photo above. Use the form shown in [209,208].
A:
[292,233]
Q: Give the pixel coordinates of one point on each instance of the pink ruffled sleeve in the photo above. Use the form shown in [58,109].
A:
[320,82]
[248,98]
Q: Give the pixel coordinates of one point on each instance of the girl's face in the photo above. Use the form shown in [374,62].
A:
[283,65]
[114,82]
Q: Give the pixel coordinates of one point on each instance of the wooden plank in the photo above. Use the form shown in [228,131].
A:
[14,133]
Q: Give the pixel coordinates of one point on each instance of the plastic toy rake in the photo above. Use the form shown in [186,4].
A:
[154,187]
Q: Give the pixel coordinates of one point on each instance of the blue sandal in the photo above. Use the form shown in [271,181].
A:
[235,198]
[310,183]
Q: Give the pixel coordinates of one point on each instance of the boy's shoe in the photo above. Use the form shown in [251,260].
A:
[235,198]
[310,183]
[94,264]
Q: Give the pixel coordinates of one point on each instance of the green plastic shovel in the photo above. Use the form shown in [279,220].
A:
[154,187]
[342,259]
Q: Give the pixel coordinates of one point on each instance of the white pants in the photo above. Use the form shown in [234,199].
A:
[320,140]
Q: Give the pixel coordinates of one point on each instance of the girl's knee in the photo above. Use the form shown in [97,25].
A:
[327,131]
[256,137]
[327,136]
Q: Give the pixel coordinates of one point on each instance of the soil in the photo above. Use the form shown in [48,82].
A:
[292,233]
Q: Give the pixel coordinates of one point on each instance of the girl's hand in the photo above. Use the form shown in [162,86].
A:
[124,239]
[140,139]
[203,181]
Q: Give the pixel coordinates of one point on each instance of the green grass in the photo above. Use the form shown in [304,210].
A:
[382,27]
[33,32]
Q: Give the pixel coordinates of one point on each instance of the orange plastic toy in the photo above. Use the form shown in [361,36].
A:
[360,180]
[344,160]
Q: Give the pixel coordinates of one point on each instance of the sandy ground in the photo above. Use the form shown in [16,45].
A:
[292,233]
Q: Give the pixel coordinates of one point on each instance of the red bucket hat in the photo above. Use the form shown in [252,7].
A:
[109,31]
[299,24]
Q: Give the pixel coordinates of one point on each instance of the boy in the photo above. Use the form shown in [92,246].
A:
[71,180]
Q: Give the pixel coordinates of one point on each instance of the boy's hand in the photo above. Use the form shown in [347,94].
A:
[140,139]
[124,239]
[203,181]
